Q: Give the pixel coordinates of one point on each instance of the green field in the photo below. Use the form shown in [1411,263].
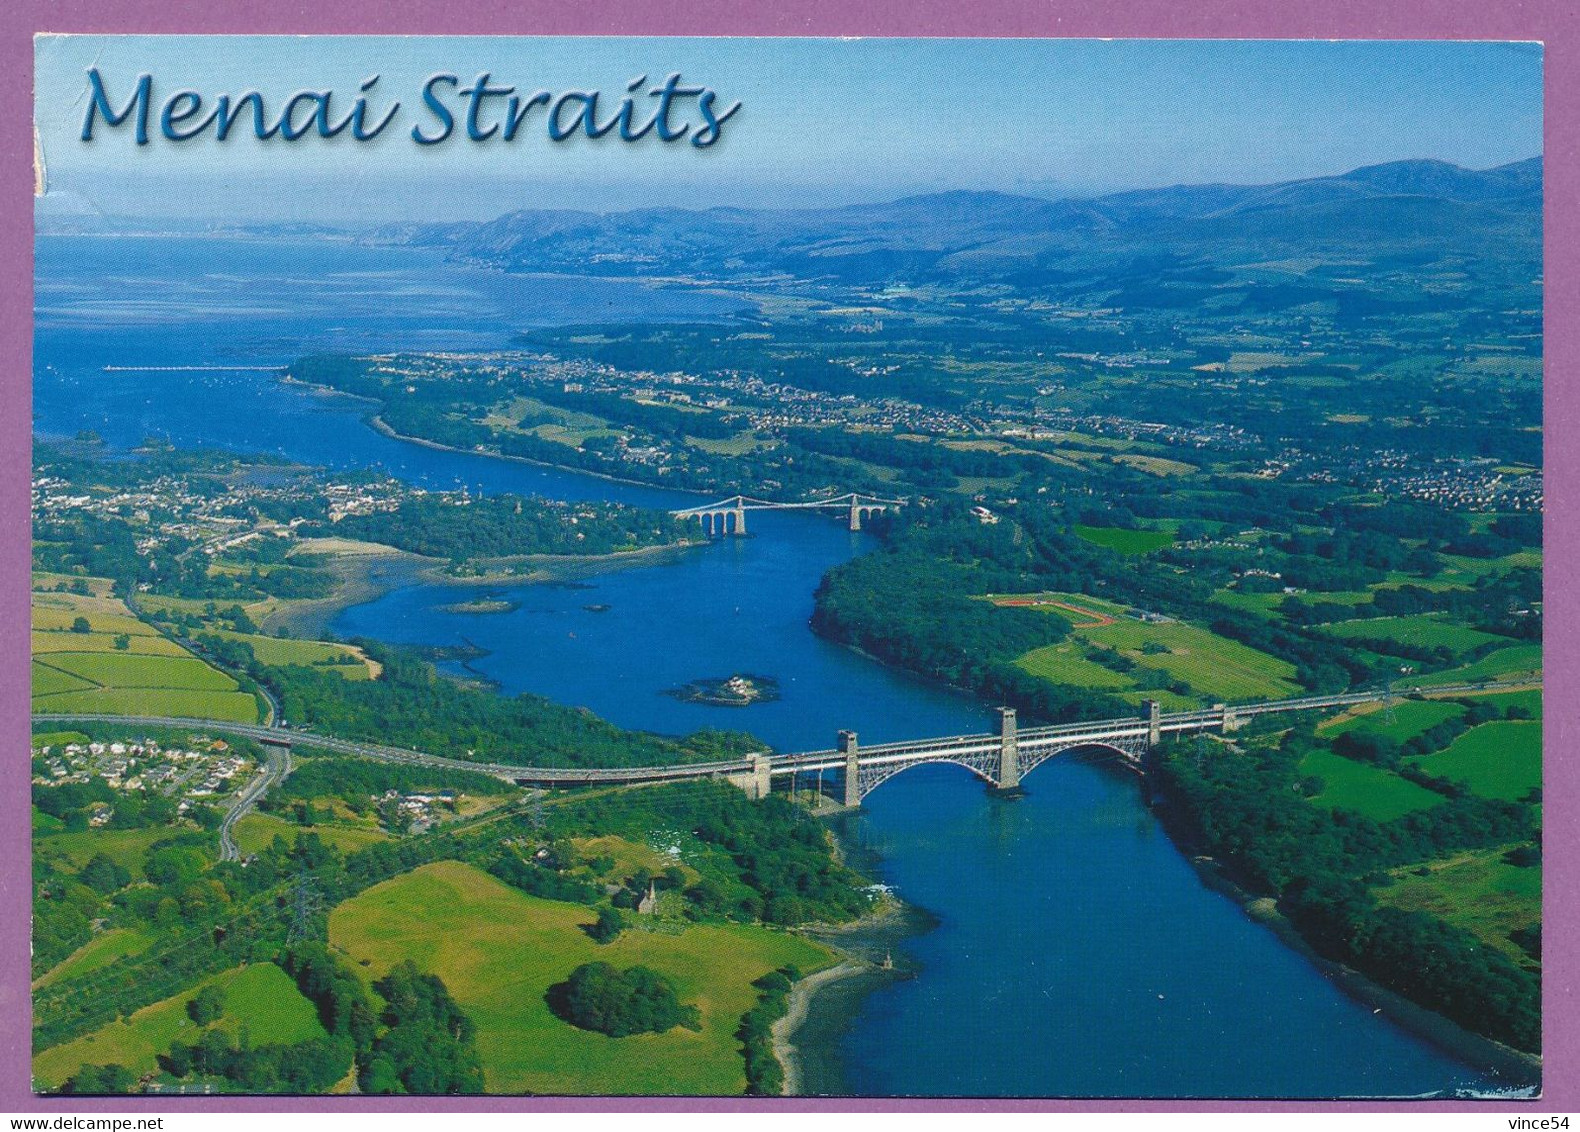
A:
[262,997]
[1410,718]
[286,651]
[1218,669]
[499,950]
[49,681]
[104,616]
[232,707]
[1124,540]
[1530,700]
[1369,790]
[1478,892]
[1514,662]
[100,951]
[1498,760]
[126,847]
[121,670]
[1258,605]
[1215,666]
[85,672]
[47,641]
[255,832]
[1064,664]
[1422,630]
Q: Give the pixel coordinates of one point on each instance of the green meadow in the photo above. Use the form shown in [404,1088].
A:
[1218,669]
[1410,718]
[102,950]
[1497,760]
[1512,663]
[286,651]
[261,997]
[256,832]
[1124,540]
[499,951]
[1370,790]
[1422,630]
[1477,891]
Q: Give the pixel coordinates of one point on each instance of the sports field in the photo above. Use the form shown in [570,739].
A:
[1216,668]
[499,951]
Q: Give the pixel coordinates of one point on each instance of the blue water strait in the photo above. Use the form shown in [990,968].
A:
[1076,950]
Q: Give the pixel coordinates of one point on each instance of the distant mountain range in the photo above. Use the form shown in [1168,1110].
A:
[1419,207]
[1417,212]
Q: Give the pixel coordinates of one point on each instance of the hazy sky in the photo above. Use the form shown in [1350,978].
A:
[822,120]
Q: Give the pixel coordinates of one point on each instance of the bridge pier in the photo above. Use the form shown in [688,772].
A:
[849,748]
[740,521]
[761,776]
[855,517]
[1231,718]
[1154,717]
[1008,752]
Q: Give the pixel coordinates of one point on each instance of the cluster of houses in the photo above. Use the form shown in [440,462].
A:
[206,768]
[419,808]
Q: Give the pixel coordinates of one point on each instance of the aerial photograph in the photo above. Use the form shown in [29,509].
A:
[760,567]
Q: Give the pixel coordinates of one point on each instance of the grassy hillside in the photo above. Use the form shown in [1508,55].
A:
[499,951]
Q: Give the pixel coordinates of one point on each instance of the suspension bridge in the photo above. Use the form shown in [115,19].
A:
[728,516]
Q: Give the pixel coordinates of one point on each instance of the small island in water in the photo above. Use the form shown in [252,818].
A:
[738,690]
[482,605]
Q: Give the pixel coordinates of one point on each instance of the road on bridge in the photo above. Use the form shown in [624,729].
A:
[1059,735]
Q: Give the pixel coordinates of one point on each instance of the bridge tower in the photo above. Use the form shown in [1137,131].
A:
[855,514]
[1154,718]
[1008,751]
[849,748]
[740,521]
[761,776]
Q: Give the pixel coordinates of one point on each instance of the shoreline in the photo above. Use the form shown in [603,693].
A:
[789,1027]
[1483,1054]
[379,425]
[374,570]
[822,1006]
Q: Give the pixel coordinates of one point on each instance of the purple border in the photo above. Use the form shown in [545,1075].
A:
[1552,21]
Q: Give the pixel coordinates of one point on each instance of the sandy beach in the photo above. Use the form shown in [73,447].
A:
[787,1028]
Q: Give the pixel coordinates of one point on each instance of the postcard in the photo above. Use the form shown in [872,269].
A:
[728,567]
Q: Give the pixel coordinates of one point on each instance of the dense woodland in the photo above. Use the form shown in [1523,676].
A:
[412,705]
[498,526]
[636,1000]
[1248,808]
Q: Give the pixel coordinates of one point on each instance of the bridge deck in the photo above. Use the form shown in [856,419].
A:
[1030,740]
